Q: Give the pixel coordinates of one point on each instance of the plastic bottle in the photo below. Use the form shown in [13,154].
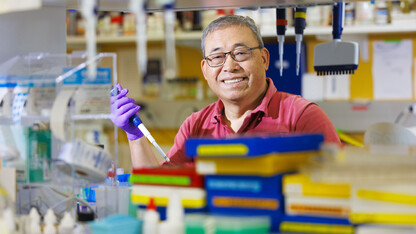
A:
[34,227]
[50,217]
[50,222]
[66,226]
[382,13]
[9,218]
[34,218]
[34,215]
[151,219]
[175,214]
[49,229]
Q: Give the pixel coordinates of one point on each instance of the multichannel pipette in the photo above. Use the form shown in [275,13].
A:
[281,24]
[138,123]
[300,24]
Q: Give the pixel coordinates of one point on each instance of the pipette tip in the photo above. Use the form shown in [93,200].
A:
[161,152]
[281,71]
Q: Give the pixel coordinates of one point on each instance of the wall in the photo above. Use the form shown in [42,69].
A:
[32,32]
[362,80]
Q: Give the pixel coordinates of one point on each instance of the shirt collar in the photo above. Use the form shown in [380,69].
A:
[219,110]
[271,90]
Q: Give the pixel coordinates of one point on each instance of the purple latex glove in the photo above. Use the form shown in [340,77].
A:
[122,108]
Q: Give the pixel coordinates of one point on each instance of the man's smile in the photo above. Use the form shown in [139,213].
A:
[235,80]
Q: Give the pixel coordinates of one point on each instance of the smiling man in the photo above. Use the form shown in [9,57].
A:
[234,64]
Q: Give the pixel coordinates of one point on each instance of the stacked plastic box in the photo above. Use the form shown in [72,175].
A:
[244,175]
[381,194]
[384,203]
[316,207]
[161,183]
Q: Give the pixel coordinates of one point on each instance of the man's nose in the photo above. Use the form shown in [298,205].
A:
[230,64]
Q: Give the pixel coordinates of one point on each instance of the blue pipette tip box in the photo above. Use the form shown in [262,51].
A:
[256,145]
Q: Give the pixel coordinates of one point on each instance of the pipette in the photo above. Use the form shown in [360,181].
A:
[300,24]
[169,15]
[138,123]
[88,8]
[281,24]
[138,7]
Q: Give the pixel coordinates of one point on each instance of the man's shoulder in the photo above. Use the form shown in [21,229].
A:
[207,112]
[289,99]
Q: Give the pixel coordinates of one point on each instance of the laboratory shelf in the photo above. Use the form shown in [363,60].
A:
[364,29]
[185,5]
[90,117]
[266,32]
[25,120]
[153,37]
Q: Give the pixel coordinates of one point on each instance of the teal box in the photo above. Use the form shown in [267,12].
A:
[117,224]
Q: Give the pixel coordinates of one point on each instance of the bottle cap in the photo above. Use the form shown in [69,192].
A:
[67,221]
[151,205]
[49,217]
[85,216]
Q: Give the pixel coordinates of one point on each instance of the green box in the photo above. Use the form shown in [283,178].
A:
[39,150]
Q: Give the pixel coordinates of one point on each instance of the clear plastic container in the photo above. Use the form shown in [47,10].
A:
[112,200]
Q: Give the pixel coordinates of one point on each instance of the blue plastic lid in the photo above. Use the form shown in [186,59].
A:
[253,146]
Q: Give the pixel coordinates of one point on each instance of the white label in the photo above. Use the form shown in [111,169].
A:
[293,189]
[206,168]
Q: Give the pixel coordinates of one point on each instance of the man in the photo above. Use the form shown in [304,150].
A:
[234,65]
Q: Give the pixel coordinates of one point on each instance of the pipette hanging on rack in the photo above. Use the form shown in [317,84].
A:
[88,10]
[300,24]
[138,8]
[170,69]
[281,24]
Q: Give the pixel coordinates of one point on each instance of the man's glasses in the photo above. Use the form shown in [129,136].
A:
[239,55]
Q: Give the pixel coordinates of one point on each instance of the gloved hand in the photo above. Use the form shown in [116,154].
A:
[122,108]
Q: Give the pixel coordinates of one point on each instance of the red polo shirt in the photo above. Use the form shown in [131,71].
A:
[279,112]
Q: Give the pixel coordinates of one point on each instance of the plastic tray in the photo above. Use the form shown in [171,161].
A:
[252,146]
[266,165]
[172,176]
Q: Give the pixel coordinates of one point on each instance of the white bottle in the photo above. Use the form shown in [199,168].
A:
[175,217]
[50,222]
[66,226]
[151,219]
[50,217]
[34,215]
[34,227]
[32,222]
[9,218]
[49,229]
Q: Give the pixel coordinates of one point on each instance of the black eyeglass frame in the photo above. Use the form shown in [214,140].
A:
[232,56]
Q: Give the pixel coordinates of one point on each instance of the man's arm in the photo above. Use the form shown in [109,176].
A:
[142,154]
[314,119]
[122,110]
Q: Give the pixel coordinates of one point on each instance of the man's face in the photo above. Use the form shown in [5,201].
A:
[235,81]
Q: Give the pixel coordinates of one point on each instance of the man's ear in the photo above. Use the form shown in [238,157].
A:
[266,58]
[203,67]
